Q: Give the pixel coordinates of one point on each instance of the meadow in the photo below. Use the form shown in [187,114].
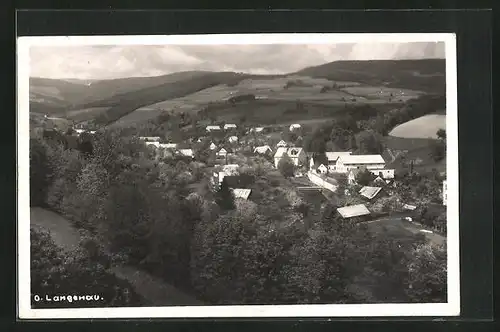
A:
[423,127]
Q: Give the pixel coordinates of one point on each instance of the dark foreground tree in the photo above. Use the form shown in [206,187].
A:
[40,173]
[286,166]
[224,197]
[61,279]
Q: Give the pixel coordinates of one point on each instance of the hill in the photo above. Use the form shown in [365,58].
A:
[76,94]
[425,75]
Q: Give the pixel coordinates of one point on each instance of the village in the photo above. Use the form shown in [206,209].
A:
[361,185]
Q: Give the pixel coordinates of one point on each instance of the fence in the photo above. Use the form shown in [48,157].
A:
[319,181]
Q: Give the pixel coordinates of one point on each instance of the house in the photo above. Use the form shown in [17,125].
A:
[297,155]
[155,144]
[281,144]
[369,192]
[353,211]
[322,169]
[257,130]
[332,158]
[150,138]
[233,139]
[168,145]
[241,193]
[264,149]
[379,180]
[213,128]
[229,126]
[227,170]
[445,193]
[294,126]
[409,207]
[222,152]
[186,153]
[383,173]
[349,162]
[213,146]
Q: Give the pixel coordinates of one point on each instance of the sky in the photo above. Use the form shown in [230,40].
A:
[117,61]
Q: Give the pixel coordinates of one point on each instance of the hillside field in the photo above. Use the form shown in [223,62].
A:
[423,127]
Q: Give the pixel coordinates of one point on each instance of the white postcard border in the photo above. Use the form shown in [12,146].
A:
[451,308]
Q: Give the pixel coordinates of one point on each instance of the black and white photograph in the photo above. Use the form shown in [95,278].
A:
[257,175]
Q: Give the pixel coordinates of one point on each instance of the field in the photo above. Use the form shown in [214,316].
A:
[85,114]
[423,127]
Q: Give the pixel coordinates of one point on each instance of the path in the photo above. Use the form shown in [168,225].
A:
[155,291]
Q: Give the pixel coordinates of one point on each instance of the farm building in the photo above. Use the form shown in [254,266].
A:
[229,126]
[294,126]
[369,192]
[322,169]
[213,146]
[263,149]
[213,128]
[353,211]
[297,155]
[348,162]
[241,193]
[233,139]
[281,144]
[332,157]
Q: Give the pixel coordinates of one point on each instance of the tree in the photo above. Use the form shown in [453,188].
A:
[438,150]
[369,142]
[60,273]
[441,134]
[427,274]
[40,172]
[224,197]
[365,177]
[286,166]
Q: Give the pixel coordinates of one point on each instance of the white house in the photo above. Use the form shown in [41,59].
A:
[168,145]
[150,138]
[297,155]
[294,126]
[186,152]
[383,173]
[222,152]
[233,139]
[155,144]
[241,193]
[213,128]
[281,144]
[351,176]
[229,126]
[445,194]
[257,129]
[322,169]
[213,146]
[263,149]
[348,162]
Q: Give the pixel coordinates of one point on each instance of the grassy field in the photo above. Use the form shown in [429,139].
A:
[85,114]
[423,127]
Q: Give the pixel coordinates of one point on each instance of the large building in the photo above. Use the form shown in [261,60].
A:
[297,155]
[346,163]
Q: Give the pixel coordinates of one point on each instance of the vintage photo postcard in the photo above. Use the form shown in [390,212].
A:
[258,175]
